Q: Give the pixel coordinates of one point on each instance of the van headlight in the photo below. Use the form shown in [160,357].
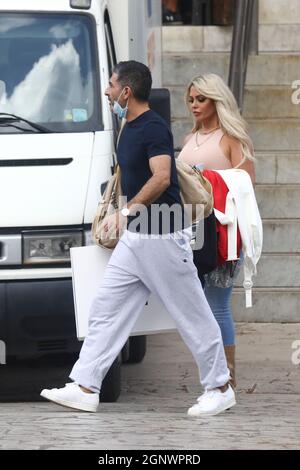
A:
[50,247]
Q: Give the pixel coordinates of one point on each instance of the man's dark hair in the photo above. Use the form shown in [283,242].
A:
[137,76]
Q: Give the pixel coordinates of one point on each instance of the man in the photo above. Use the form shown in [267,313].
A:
[148,258]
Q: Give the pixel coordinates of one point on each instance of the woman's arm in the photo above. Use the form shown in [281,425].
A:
[232,149]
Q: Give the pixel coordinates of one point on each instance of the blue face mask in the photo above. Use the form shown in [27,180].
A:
[118,110]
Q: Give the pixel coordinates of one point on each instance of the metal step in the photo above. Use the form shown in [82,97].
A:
[187,39]
[267,134]
[260,102]
[269,305]
[280,270]
[263,69]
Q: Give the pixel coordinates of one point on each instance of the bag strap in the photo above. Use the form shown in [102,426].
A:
[116,167]
[123,123]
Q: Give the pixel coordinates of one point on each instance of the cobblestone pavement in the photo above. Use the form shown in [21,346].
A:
[151,412]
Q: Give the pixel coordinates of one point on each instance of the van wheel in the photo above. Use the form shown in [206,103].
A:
[137,349]
[125,352]
[24,380]
[111,385]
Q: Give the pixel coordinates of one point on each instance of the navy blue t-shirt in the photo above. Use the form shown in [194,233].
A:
[145,137]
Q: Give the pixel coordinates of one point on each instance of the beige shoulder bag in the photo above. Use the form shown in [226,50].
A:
[110,203]
[195,190]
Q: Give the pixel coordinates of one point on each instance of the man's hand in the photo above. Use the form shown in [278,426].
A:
[115,224]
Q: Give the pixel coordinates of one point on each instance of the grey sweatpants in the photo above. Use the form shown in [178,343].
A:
[137,267]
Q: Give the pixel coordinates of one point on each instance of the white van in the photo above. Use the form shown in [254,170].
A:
[57,144]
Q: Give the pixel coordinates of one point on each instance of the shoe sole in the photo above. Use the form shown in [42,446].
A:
[216,412]
[69,404]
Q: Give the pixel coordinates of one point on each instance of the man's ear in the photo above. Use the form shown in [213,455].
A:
[127,92]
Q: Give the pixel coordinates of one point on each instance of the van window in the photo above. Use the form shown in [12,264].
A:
[110,47]
[48,70]
[111,62]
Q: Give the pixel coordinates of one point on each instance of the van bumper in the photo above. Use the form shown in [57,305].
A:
[37,318]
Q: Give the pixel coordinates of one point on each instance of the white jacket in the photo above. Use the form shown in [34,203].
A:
[241,205]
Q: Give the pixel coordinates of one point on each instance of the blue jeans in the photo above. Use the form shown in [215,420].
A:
[219,299]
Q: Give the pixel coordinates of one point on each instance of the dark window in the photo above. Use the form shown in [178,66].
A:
[112,60]
[48,70]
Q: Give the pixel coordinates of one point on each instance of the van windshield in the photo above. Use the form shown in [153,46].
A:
[48,66]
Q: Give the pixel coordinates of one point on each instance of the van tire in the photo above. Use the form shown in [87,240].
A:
[111,385]
[137,349]
[24,380]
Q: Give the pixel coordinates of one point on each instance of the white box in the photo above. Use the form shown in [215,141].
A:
[88,266]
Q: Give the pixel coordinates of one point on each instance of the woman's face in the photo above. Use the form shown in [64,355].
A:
[202,108]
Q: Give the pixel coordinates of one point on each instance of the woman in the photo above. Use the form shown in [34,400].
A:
[218,141]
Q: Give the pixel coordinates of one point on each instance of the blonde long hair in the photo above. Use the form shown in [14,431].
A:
[231,122]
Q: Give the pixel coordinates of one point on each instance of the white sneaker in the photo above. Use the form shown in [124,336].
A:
[73,397]
[213,402]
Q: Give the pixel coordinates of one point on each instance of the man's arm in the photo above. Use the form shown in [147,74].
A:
[160,167]
[160,180]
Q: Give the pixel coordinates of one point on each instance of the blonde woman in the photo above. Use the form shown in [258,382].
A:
[218,141]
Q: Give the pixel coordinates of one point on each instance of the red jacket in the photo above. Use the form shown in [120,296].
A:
[220,191]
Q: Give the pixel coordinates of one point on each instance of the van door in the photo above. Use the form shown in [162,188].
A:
[111,63]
